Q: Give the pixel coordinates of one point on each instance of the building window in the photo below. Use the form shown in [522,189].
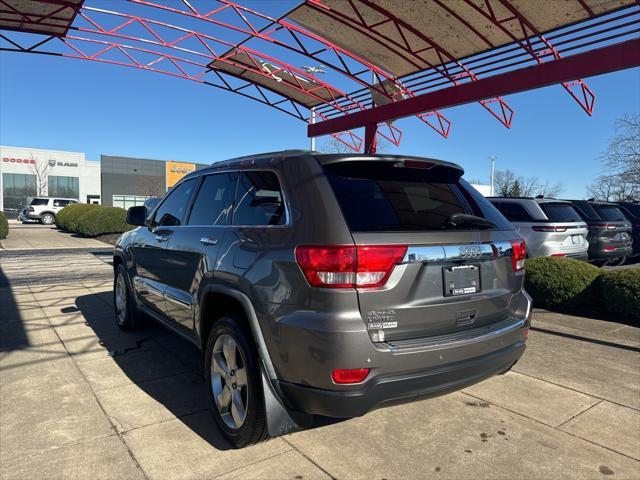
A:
[16,190]
[64,187]
[126,201]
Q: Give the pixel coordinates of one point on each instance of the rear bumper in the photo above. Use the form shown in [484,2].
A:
[600,253]
[386,390]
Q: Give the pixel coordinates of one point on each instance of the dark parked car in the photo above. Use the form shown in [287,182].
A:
[327,285]
[609,232]
[631,210]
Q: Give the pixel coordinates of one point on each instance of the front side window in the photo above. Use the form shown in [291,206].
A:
[171,212]
[214,200]
[258,200]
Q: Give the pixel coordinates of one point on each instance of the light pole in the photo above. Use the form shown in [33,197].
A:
[493,171]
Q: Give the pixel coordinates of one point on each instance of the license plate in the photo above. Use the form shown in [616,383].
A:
[461,280]
[575,239]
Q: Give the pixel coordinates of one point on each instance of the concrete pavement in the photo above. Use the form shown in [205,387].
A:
[32,236]
[81,399]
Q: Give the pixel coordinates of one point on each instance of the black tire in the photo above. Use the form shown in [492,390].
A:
[616,262]
[47,219]
[253,428]
[129,318]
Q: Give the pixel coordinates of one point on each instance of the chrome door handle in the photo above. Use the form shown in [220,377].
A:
[209,241]
[162,238]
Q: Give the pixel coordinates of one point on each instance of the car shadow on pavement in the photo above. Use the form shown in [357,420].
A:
[12,329]
[152,359]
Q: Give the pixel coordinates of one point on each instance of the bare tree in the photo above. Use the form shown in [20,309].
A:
[508,184]
[41,171]
[613,188]
[550,190]
[621,162]
[332,145]
[623,155]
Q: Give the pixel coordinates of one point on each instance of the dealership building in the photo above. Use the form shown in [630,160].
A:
[114,180]
[31,172]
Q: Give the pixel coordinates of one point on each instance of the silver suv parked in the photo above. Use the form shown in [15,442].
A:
[551,228]
[327,285]
[45,209]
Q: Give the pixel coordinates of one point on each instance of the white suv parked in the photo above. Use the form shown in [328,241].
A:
[45,209]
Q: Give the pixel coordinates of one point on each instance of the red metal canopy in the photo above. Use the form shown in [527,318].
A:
[345,64]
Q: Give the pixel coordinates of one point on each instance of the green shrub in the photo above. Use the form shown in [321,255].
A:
[67,218]
[4,226]
[103,220]
[620,292]
[561,283]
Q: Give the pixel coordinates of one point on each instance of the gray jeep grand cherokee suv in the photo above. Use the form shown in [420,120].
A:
[327,285]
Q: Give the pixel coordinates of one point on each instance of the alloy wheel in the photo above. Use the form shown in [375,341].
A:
[229,381]
[121,299]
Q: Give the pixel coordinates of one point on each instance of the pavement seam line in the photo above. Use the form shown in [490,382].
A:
[290,449]
[104,412]
[309,458]
[580,413]
[552,427]
[576,390]
[577,329]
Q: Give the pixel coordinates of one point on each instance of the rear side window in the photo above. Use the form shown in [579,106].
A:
[560,212]
[514,212]
[171,212]
[258,200]
[61,203]
[633,211]
[377,196]
[588,211]
[213,203]
[609,212]
[38,202]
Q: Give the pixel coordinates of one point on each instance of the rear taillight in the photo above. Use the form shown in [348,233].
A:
[604,225]
[609,249]
[558,254]
[353,375]
[519,254]
[31,209]
[549,229]
[348,266]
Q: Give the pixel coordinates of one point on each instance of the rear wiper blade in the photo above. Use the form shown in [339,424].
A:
[460,219]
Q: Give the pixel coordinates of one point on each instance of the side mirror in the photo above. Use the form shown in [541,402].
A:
[137,216]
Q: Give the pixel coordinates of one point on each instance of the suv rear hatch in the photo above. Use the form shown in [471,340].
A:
[455,268]
[607,224]
[566,230]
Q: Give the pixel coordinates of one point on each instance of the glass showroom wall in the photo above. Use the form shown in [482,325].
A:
[17,188]
[68,187]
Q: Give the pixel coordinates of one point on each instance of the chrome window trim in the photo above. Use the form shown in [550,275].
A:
[442,253]
[285,200]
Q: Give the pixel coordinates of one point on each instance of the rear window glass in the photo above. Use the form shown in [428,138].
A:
[610,212]
[377,196]
[560,212]
[39,201]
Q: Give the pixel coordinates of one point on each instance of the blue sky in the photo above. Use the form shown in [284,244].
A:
[64,104]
